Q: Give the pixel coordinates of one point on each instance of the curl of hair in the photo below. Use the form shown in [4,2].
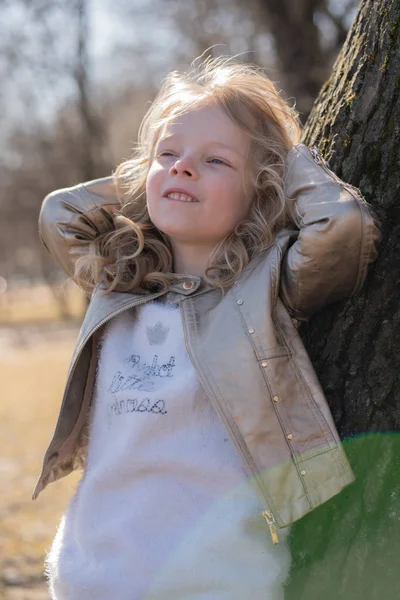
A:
[135,253]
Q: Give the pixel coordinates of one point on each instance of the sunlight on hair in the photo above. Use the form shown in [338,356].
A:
[126,258]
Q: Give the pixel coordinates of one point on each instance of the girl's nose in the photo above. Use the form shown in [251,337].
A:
[184,166]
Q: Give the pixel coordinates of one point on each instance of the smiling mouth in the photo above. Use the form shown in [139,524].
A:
[180,197]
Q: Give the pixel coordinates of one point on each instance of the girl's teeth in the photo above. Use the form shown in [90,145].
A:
[182,197]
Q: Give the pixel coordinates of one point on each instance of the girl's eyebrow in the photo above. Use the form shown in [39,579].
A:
[209,143]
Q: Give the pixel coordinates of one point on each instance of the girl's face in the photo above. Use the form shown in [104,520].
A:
[201,154]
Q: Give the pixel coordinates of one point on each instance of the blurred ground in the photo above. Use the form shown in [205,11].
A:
[34,357]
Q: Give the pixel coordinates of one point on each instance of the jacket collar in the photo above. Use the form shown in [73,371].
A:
[187,284]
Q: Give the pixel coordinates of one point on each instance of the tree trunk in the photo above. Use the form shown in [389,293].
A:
[304,62]
[349,547]
[92,135]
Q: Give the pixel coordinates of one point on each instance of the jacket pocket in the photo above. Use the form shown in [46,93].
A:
[304,427]
[273,352]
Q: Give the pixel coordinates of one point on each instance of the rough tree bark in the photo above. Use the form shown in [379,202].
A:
[349,547]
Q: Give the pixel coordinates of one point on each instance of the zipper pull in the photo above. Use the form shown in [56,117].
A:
[272,527]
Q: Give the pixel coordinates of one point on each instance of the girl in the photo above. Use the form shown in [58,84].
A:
[191,402]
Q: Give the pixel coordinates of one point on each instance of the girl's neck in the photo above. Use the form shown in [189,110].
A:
[190,260]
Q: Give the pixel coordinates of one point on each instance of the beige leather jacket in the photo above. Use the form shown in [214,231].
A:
[244,346]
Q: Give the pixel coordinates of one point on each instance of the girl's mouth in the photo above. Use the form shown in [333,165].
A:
[180,197]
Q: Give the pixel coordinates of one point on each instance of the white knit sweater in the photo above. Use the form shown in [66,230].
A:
[164,509]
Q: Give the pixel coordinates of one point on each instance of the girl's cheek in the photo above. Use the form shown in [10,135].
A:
[149,190]
[153,180]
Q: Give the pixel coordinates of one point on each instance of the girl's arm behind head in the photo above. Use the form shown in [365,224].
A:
[338,236]
[71,218]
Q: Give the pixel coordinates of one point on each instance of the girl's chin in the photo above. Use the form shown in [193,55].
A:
[185,234]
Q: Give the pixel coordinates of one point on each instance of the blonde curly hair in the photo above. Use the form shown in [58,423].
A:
[135,253]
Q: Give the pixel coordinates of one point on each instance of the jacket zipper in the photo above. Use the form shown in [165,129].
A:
[269,517]
[267,514]
[73,367]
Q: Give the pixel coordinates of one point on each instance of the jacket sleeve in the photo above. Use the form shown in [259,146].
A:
[338,235]
[71,218]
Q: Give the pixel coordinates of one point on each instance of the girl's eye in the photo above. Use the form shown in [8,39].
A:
[219,160]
